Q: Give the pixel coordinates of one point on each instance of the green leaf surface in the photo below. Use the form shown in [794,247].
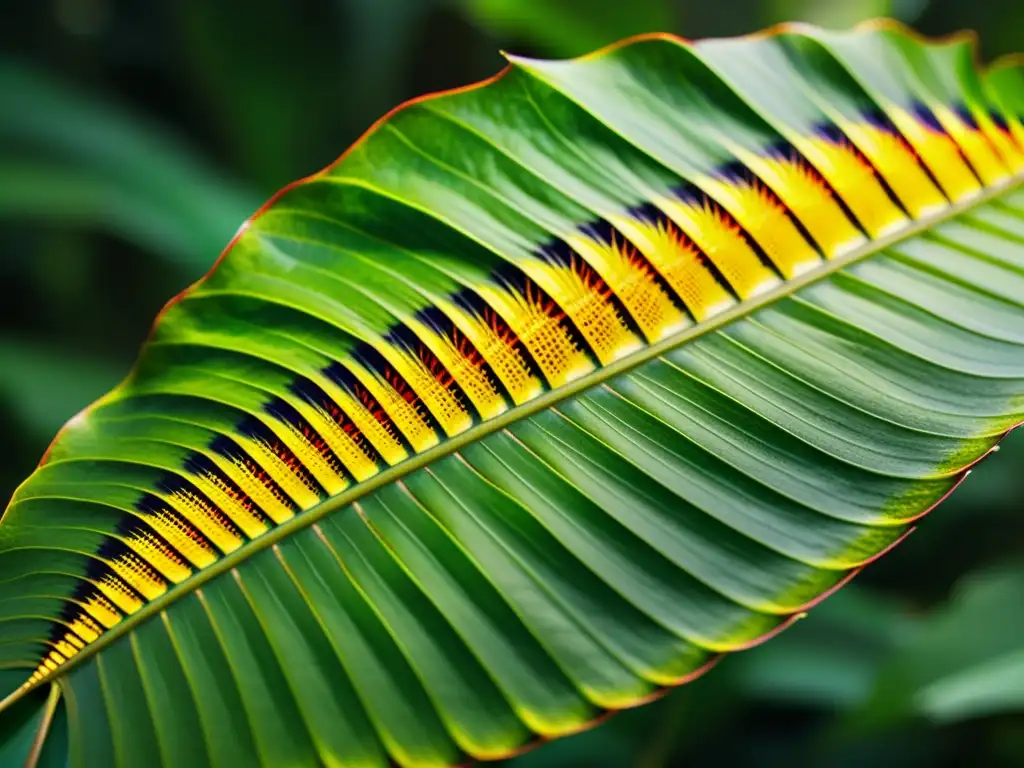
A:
[545,395]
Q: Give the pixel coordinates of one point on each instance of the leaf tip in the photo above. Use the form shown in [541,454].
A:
[515,59]
[526,63]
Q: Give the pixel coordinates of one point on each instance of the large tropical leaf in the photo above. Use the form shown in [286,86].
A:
[548,393]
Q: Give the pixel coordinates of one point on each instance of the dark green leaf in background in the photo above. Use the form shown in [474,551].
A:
[573,27]
[70,159]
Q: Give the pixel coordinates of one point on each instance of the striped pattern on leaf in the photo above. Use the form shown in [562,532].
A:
[547,393]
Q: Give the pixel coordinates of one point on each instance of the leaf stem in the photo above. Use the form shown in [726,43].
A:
[49,710]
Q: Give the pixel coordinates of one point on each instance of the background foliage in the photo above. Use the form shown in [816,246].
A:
[136,135]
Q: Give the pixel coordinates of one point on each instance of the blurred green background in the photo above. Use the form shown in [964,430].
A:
[136,135]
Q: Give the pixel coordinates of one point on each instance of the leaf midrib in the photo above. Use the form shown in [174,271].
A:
[485,428]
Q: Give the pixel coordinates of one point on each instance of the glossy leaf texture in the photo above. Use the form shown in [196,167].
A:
[548,393]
